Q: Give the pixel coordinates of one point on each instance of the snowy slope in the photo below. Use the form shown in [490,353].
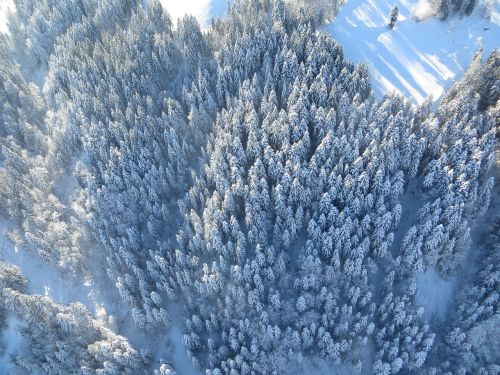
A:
[416,59]
[5,7]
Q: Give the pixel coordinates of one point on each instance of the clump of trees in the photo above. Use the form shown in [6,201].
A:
[444,8]
[62,339]
[393,17]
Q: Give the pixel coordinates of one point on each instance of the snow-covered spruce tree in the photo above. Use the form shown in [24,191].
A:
[469,342]
[63,340]
[41,22]
[402,340]
[27,194]
[456,170]
[290,155]
[138,136]
[10,277]
[320,11]
[444,8]
[300,187]
[393,17]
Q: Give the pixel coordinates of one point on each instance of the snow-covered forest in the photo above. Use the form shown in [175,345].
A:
[230,194]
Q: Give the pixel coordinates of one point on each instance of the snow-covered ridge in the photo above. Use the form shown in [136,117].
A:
[417,58]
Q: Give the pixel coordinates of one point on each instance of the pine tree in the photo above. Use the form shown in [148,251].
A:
[393,16]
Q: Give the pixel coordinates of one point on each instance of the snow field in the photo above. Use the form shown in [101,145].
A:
[422,55]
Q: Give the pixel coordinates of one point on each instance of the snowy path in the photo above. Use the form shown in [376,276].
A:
[416,59]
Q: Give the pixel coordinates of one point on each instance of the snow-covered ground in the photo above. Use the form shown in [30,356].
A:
[10,342]
[417,59]
[5,6]
[434,293]
[45,279]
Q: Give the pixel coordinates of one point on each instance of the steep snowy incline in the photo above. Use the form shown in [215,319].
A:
[416,59]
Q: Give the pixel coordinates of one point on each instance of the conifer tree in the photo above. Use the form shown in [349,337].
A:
[393,17]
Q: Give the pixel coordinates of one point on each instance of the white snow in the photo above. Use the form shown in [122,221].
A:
[198,8]
[10,341]
[416,59]
[320,367]
[5,7]
[45,279]
[180,360]
[434,293]
[203,10]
